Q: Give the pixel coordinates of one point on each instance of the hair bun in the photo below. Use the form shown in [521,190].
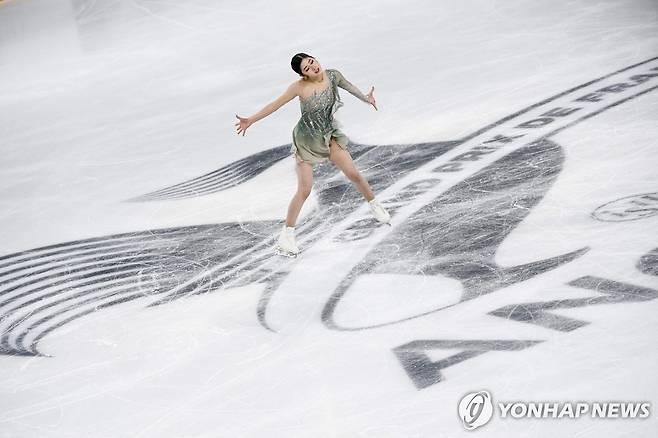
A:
[296,62]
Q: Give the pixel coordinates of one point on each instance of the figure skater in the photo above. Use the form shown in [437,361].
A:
[316,137]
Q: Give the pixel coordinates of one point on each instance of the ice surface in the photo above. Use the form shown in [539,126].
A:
[514,147]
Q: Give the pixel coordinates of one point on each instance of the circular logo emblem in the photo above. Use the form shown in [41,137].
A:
[475,409]
[628,209]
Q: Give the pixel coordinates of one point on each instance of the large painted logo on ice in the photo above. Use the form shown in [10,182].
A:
[453,204]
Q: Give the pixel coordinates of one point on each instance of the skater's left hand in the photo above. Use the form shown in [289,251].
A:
[371,98]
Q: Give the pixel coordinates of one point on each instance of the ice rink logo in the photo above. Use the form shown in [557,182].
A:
[454,203]
[475,409]
[628,209]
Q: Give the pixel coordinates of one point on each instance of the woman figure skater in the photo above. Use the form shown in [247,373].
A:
[316,138]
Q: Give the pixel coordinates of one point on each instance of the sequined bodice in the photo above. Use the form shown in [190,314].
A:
[317,100]
[317,108]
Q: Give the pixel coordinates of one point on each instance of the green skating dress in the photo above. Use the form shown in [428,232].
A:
[312,134]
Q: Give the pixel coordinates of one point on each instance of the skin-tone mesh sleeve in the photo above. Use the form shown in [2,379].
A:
[349,87]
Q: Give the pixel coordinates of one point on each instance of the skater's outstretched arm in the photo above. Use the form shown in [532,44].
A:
[244,122]
[350,88]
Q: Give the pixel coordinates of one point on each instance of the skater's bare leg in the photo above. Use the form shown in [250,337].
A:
[343,160]
[304,186]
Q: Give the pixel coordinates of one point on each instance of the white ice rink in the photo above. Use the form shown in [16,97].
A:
[514,145]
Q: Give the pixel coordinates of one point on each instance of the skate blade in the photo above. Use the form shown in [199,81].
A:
[282,252]
[382,222]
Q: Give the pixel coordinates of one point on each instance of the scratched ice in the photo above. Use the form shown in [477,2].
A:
[514,146]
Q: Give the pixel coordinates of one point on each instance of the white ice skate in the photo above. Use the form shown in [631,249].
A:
[379,212]
[286,245]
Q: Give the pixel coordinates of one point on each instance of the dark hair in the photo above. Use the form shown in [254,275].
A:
[296,62]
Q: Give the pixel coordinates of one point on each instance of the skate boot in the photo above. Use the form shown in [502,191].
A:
[286,244]
[379,212]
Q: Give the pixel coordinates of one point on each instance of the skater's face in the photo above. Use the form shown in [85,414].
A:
[311,68]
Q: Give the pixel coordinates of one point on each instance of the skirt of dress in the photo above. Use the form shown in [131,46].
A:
[312,146]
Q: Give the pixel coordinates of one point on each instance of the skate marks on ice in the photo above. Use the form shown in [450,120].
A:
[435,190]
[424,372]
[225,177]
[452,211]
[648,263]
[221,179]
[628,208]
[43,289]
[464,228]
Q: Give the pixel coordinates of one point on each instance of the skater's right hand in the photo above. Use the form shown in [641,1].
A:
[243,124]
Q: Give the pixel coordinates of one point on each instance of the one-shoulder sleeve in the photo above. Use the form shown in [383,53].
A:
[347,85]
